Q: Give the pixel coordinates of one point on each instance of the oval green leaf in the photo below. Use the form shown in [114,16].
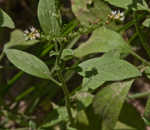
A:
[49,16]
[28,63]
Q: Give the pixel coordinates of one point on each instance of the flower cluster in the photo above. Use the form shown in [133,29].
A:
[31,33]
[117,15]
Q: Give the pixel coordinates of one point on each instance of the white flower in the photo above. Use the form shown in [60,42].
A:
[32,29]
[122,18]
[117,15]
[114,12]
[31,34]
[26,32]
[122,14]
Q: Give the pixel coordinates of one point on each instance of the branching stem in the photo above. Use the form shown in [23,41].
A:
[67,98]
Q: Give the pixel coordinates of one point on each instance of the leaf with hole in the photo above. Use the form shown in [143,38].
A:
[97,71]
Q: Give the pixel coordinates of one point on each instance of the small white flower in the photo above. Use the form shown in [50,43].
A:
[117,15]
[122,18]
[114,12]
[31,34]
[32,29]
[37,35]
[122,14]
[26,31]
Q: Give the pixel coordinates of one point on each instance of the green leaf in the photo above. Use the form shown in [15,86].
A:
[56,116]
[17,39]
[32,125]
[146,22]
[122,126]
[84,99]
[67,54]
[112,53]
[147,72]
[97,71]
[141,5]
[147,110]
[131,117]
[108,103]
[28,63]
[90,11]
[102,40]
[87,120]
[120,3]
[49,16]
[5,20]
[70,127]
[134,4]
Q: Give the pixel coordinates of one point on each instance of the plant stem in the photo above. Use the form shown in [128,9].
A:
[67,98]
[131,23]
[132,38]
[55,81]
[143,42]
[140,58]
[1,56]
[139,95]
[61,78]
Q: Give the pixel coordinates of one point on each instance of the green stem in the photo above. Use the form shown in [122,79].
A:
[73,42]
[15,78]
[44,52]
[67,98]
[140,58]
[1,56]
[144,43]
[139,95]
[64,85]
[12,82]
[132,38]
[129,24]
[55,81]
